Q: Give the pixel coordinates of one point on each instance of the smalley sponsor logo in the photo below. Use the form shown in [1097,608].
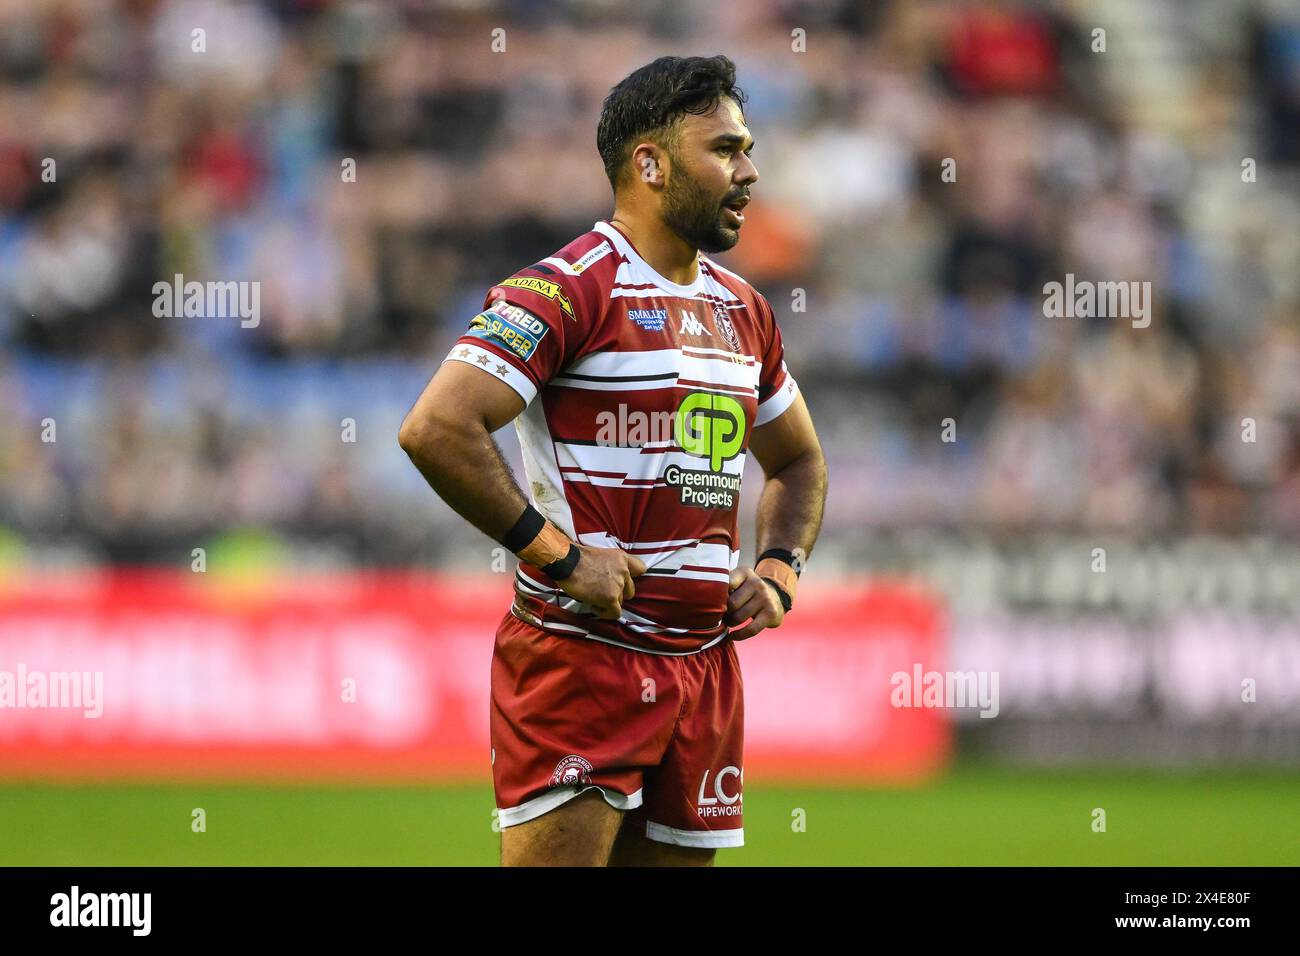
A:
[75,908]
[721,798]
[652,320]
[22,688]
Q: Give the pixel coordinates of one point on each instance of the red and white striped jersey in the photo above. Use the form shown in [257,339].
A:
[640,397]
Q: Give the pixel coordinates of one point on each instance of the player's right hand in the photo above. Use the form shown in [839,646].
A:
[603,579]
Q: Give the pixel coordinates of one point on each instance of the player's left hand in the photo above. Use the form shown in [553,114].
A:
[753,600]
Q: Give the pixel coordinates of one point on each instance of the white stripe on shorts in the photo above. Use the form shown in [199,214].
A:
[702,838]
[534,808]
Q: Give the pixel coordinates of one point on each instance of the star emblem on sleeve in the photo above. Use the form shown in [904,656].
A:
[501,370]
[482,360]
[463,352]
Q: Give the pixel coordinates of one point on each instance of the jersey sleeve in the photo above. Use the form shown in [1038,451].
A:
[777,388]
[526,331]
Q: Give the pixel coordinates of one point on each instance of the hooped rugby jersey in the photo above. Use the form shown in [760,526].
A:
[641,395]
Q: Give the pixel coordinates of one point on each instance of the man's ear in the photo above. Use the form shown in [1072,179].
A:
[647,166]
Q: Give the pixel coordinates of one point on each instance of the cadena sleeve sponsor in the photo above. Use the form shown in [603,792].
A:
[527,326]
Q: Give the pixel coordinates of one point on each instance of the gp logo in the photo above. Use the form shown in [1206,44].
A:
[710,426]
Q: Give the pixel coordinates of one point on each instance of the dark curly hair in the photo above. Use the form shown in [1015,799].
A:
[648,103]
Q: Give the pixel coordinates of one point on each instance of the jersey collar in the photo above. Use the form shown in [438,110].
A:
[625,247]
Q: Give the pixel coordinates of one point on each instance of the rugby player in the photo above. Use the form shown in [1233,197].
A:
[616,701]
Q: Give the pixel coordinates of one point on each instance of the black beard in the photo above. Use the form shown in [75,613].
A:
[694,216]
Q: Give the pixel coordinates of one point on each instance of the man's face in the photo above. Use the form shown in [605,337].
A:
[711,171]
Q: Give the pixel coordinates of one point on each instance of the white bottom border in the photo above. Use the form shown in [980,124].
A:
[699,838]
[534,808]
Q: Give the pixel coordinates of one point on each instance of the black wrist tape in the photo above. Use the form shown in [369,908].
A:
[528,527]
[561,569]
[780,593]
[781,554]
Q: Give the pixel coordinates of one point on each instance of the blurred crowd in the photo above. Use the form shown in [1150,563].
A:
[925,168]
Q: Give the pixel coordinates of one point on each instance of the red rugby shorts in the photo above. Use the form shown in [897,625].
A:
[660,736]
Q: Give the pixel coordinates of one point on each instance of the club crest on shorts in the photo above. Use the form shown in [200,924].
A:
[572,769]
[725,328]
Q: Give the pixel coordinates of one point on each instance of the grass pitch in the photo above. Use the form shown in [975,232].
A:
[974,815]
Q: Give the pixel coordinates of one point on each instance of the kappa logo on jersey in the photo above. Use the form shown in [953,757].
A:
[652,320]
[508,325]
[726,798]
[552,290]
[571,770]
[693,326]
[709,426]
[728,331]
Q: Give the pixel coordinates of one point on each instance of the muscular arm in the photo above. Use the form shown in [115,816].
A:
[447,435]
[794,494]
[790,511]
